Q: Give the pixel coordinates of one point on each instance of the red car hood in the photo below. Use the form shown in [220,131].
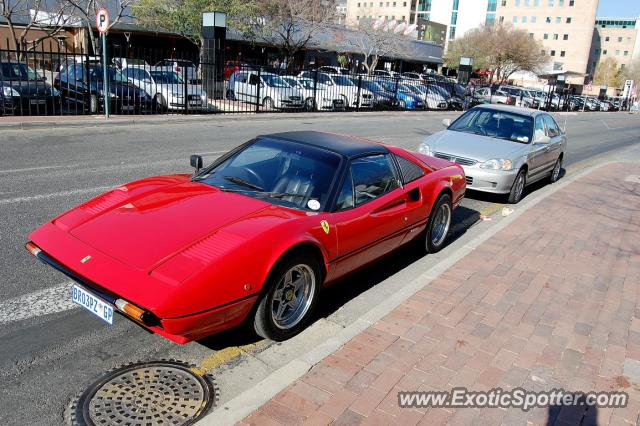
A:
[142,227]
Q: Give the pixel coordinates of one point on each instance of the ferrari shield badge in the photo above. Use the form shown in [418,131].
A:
[325,226]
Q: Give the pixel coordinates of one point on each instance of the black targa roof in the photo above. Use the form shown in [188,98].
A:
[348,146]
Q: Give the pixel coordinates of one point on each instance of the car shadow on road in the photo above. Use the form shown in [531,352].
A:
[353,285]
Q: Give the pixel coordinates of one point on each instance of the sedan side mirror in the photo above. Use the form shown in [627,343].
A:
[196,162]
[542,140]
[446,122]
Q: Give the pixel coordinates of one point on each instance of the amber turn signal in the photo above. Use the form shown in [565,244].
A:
[32,248]
[130,309]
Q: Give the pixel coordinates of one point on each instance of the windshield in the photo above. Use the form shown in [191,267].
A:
[95,74]
[372,86]
[166,77]
[342,80]
[274,81]
[308,84]
[285,173]
[437,90]
[14,71]
[497,124]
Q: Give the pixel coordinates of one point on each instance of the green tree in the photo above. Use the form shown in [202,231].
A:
[498,47]
[608,73]
[184,17]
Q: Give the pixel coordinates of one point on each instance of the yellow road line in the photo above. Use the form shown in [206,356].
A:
[222,356]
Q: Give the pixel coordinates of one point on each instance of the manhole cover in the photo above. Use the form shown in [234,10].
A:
[149,393]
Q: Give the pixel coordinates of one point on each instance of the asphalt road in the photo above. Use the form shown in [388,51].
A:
[49,351]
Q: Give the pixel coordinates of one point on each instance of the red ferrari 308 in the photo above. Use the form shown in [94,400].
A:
[254,236]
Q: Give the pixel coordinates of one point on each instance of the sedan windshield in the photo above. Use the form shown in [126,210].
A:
[166,77]
[497,124]
[14,71]
[285,173]
[274,81]
[96,74]
[342,80]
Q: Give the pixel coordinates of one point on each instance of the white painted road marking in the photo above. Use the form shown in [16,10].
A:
[30,169]
[42,302]
[54,194]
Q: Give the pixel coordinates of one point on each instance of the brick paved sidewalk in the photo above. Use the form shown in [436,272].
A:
[551,301]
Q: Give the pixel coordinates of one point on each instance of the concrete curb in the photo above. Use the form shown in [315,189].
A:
[251,399]
[178,119]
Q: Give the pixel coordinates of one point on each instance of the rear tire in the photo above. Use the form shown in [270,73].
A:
[267,104]
[439,224]
[93,104]
[291,296]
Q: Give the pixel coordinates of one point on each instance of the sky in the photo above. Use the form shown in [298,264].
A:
[619,8]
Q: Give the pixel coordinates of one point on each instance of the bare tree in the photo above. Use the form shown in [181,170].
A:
[500,48]
[23,16]
[86,11]
[376,40]
[291,24]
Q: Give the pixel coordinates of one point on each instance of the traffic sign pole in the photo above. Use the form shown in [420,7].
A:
[102,24]
[105,75]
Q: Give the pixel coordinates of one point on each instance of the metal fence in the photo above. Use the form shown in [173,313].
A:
[47,79]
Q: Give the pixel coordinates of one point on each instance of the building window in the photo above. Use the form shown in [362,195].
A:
[502,19]
[565,37]
[526,3]
[394,4]
[380,4]
[617,53]
[562,52]
[545,36]
[550,3]
[558,20]
[358,4]
[536,3]
[597,51]
[553,53]
[570,2]
[530,35]
[606,39]
[568,20]
[492,5]
[548,19]
[387,4]
[515,19]
[403,18]
[604,51]
[533,19]
[491,18]
[619,39]
[561,3]
[517,2]
[504,3]
[622,66]
[626,53]
[452,33]
[555,36]
[456,3]
[454,18]
[524,19]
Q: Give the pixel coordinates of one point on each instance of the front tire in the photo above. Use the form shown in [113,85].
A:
[93,104]
[439,224]
[292,291]
[267,104]
[517,189]
[310,104]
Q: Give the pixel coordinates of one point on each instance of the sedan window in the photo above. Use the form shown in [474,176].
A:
[373,176]
[552,128]
[497,124]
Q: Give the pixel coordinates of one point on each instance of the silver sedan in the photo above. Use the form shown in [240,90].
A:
[501,148]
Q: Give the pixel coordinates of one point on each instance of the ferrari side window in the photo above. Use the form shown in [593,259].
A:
[345,199]
[373,176]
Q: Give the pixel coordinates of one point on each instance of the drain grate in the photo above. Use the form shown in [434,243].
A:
[149,393]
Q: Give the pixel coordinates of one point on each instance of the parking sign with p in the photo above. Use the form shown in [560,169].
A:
[102,20]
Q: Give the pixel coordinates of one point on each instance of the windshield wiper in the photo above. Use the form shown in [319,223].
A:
[240,181]
[281,194]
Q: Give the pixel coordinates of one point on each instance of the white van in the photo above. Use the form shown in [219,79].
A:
[269,90]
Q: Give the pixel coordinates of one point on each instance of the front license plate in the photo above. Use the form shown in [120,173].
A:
[194,103]
[93,304]
[37,101]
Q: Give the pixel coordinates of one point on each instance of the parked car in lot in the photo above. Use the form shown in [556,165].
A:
[267,89]
[334,70]
[303,209]
[405,97]
[432,96]
[85,91]
[522,97]
[166,88]
[342,86]
[183,67]
[501,148]
[382,99]
[315,95]
[487,95]
[25,92]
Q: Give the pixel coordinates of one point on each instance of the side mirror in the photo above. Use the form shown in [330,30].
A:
[196,162]
[542,140]
[446,122]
